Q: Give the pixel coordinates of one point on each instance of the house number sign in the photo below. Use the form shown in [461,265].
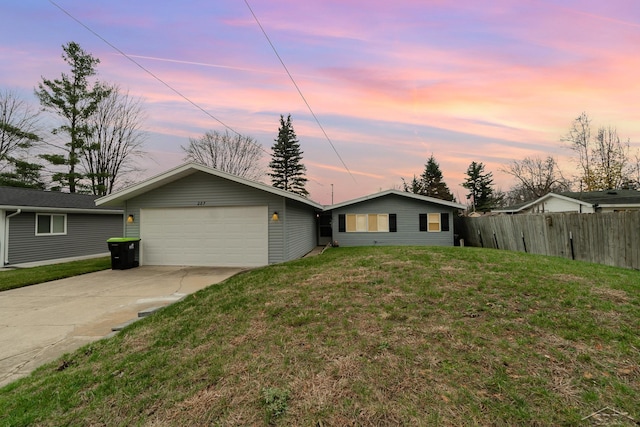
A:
[201,203]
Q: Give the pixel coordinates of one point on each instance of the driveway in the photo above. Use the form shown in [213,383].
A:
[42,322]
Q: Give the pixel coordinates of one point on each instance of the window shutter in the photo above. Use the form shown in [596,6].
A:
[423,222]
[393,223]
[444,221]
[342,227]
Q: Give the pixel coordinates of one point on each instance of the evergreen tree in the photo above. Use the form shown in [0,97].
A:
[430,183]
[288,173]
[480,188]
[415,186]
[24,174]
[74,99]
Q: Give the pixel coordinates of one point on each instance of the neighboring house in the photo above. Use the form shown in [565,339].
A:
[37,226]
[582,202]
[394,217]
[196,215]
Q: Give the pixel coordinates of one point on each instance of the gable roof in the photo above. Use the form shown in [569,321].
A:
[606,198]
[609,198]
[526,205]
[179,172]
[397,193]
[14,198]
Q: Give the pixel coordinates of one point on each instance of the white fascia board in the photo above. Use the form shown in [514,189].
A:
[620,206]
[397,193]
[187,169]
[62,210]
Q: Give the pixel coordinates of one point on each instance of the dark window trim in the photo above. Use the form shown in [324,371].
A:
[392,218]
[423,222]
[393,223]
[444,221]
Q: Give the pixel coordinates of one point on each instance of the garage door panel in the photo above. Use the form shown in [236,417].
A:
[221,236]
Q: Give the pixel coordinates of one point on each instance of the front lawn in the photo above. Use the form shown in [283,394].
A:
[368,337]
[19,277]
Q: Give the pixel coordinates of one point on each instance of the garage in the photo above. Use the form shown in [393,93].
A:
[200,216]
[235,236]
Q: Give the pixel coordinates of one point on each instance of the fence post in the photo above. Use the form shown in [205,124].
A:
[573,256]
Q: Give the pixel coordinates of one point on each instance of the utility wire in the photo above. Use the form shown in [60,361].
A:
[145,69]
[297,88]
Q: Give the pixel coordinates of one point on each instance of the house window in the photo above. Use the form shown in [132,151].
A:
[367,223]
[434,222]
[50,224]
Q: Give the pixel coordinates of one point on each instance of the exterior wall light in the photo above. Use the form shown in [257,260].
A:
[274,217]
[130,219]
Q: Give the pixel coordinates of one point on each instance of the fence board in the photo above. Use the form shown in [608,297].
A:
[604,238]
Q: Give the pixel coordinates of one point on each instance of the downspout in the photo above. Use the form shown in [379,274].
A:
[5,249]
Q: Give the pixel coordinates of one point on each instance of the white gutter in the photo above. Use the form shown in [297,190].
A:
[17,212]
[62,210]
[4,242]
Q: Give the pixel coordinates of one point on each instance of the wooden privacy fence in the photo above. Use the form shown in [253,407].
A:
[604,238]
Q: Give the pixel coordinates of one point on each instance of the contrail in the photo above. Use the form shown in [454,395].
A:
[203,64]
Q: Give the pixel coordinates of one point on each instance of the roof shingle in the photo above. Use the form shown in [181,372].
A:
[26,197]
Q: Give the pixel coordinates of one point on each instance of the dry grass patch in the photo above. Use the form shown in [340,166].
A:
[367,336]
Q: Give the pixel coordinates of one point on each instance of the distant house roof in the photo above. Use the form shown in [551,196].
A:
[605,198]
[595,199]
[187,169]
[397,193]
[14,198]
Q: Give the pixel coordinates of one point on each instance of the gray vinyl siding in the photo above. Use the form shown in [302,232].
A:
[407,216]
[301,235]
[87,234]
[202,189]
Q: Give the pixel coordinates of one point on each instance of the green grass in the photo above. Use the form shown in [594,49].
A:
[19,277]
[364,336]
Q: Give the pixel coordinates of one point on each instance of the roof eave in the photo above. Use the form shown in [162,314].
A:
[187,169]
[620,205]
[61,210]
[398,193]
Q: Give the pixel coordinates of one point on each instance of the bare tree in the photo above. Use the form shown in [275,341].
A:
[612,165]
[18,126]
[634,182]
[114,142]
[579,139]
[603,161]
[536,177]
[235,154]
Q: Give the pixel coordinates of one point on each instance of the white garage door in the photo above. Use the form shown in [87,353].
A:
[221,236]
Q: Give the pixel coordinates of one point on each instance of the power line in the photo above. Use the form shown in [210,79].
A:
[177,92]
[298,89]
[180,94]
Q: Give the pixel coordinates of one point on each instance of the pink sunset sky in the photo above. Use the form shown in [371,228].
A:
[390,82]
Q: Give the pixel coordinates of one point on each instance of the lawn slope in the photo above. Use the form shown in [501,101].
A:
[364,336]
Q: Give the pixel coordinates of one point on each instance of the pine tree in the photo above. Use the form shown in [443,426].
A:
[431,183]
[288,173]
[74,99]
[479,185]
[415,186]
[23,174]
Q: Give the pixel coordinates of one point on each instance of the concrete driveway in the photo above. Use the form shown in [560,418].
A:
[42,322]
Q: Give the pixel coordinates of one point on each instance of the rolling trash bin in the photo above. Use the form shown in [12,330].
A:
[124,251]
